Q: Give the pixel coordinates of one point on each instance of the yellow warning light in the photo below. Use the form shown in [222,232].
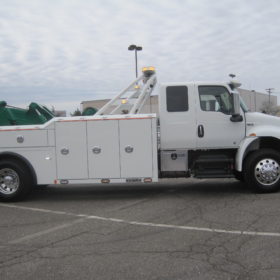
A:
[149,68]
[136,87]
[253,134]
[124,101]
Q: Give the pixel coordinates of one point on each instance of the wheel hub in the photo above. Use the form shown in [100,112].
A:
[9,181]
[267,171]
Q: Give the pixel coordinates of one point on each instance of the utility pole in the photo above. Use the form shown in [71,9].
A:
[255,99]
[269,90]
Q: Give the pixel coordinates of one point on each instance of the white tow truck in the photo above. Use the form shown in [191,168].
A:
[203,130]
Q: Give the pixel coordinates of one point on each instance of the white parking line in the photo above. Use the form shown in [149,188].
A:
[176,227]
[43,232]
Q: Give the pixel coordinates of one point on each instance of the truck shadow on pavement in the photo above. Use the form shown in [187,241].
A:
[226,188]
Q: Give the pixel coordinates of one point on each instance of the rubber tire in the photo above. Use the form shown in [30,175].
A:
[25,180]
[239,176]
[249,166]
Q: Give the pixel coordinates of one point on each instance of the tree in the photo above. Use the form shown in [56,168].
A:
[271,108]
[77,112]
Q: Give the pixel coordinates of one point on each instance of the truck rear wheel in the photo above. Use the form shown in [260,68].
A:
[15,180]
[262,170]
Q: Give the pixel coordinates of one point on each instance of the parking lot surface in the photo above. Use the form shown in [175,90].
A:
[178,229]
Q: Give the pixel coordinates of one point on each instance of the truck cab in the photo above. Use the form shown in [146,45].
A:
[199,116]
[206,131]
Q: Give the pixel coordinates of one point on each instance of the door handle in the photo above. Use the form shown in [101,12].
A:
[200,131]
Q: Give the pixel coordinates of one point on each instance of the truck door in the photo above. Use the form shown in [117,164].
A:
[177,117]
[214,127]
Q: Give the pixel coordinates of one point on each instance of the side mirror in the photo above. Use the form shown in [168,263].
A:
[236,117]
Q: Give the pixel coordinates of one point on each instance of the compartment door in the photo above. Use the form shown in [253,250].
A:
[136,148]
[71,150]
[103,149]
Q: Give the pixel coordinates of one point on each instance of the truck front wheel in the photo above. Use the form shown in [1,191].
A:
[15,180]
[262,170]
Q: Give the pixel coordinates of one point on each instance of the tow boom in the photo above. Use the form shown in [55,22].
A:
[136,94]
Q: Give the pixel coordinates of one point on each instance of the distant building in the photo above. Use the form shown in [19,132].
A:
[254,100]
[60,113]
[150,106]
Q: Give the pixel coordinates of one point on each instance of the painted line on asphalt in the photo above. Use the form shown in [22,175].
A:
[47,231]
[115,220]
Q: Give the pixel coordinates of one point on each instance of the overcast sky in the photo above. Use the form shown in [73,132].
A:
[62,52]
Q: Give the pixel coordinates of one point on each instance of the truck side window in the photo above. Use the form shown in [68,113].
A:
[215,99]
[177,99]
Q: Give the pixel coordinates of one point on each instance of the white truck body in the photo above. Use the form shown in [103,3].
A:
[120,148]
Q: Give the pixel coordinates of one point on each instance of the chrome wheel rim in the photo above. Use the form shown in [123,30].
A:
[9,181]
[267,171]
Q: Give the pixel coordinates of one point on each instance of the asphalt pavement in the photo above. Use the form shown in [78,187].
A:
[176,229]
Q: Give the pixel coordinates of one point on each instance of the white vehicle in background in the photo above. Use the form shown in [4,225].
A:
[204,132]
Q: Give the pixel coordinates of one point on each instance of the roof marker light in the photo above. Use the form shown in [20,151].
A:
[148,68]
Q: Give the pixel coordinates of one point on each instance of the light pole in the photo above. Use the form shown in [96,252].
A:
[136,49]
